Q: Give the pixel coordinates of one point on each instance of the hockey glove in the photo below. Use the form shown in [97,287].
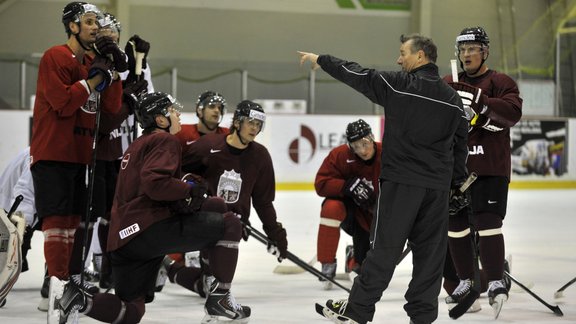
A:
[105,46]
[103,66]
[279,245]
[458,199]
[360,192]
[198,190]
[136,44]
[133,92]
[246,230]
[472,98]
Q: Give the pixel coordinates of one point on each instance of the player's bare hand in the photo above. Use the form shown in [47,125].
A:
[313,58]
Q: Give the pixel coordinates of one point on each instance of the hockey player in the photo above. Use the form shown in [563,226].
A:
[210,109]
[71,87]
[348,179]
[493,100]
[424,146]
[240,171]
[155,213]
[117,130]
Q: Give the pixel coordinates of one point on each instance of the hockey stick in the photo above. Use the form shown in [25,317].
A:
[293,269]
[554,309]
[266,241]
[90,186]
[139,58]
[560,292]
[474,293]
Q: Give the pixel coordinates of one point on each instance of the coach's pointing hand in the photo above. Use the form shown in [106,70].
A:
[305,56]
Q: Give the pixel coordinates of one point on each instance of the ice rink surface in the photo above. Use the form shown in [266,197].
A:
[539,231]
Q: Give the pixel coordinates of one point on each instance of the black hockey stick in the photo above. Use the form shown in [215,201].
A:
[90,187]
[15,205]
[299,262]
[554,309]
[560,292]
[474,292]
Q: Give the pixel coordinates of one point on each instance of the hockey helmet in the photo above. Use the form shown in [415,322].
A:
[473,35]
[152,105]
[75,10]
[208,98]
[358,130]
[247,109]
[109,21]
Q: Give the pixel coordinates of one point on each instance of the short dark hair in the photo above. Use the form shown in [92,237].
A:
[423,43]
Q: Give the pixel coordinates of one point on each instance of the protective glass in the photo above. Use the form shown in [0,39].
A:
[362,144]
[470,49]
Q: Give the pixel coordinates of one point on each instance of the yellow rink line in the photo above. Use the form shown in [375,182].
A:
[545,184]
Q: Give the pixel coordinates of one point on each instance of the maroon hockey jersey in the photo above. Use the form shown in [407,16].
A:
[64,112]
[342,164]
[148,181]
[189,133]
[240,177]
[489,139]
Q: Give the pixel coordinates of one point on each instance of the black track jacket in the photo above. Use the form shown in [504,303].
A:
[425,132]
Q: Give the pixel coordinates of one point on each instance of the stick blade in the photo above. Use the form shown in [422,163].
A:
[464,305]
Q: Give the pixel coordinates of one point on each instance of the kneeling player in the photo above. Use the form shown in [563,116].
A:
[156,213]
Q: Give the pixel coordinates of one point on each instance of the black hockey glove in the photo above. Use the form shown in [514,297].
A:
[136,44]
[105,46]
[198,194]
[473,99]
[133,92]
[279,245]
[360,192]
[458,199]
[103,66]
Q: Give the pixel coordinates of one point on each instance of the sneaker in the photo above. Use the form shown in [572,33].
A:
[328,270]
[460,293]
[72,302]
[85,286]
[497,295]
[163,273]
[221,304]
[335,311]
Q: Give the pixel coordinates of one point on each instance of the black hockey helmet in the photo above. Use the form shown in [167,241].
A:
[210,97]
[152,105]
[248,109]
[358,130]
[73,11]
[473,35]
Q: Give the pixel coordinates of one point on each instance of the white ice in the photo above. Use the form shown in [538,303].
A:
[539,232]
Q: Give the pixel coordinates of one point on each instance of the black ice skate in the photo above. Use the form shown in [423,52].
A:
[497,295]
[66,301]
[220,307]
[335,311]
[460,293]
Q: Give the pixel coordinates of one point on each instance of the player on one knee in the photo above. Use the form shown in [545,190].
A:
[348,179]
